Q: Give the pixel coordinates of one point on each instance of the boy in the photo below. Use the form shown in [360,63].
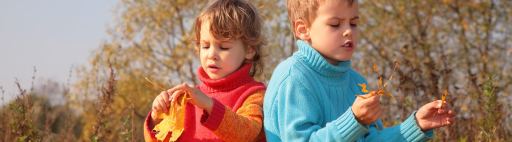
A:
[312,95]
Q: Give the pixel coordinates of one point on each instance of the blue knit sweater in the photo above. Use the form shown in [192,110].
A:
[308,99]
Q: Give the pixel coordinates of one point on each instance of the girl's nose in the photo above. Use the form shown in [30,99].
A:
[212,53]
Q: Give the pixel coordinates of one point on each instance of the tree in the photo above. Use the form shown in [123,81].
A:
[458,46]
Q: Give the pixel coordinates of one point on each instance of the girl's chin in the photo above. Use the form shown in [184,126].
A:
[214,76]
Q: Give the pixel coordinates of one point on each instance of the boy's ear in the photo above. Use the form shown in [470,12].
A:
[301,29]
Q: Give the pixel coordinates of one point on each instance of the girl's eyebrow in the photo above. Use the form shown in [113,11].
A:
[204,42]
[354,18]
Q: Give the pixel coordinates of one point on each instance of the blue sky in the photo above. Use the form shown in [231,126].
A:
[52,35]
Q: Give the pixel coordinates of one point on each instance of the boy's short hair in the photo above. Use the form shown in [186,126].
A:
[233,19]
[305,10]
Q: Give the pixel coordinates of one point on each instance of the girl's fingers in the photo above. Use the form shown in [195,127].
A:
[176,95]
[172,90]
[165,97]
[162,105]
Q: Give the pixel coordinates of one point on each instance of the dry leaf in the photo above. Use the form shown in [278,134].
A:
[363,88]
[443,97]
[173,121]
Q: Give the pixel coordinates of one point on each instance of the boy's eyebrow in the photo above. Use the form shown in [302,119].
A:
[337,18]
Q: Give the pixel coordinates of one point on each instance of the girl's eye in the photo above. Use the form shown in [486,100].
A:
[353,25]
[224,48]
[334,25]
[205,47]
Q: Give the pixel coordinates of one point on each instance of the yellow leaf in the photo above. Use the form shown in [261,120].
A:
[443,97]
[173,121]
[380,83]
[363,88]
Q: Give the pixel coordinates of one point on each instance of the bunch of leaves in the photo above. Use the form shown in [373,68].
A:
[381,86]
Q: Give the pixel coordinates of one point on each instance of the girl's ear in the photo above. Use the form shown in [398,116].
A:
[301,30]
[250,53]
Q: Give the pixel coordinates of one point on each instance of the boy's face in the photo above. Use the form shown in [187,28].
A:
[221,58]
[333,32]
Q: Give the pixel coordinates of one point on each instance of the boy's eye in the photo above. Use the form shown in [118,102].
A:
[353,24]
[205,47]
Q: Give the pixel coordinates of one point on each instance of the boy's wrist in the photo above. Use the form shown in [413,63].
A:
[419,124]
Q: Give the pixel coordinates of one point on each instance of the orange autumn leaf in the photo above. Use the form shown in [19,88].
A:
[173,121]
[443,97]
[380,82]
[363,88]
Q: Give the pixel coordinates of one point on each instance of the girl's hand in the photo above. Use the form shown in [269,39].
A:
[434,115]
[162,102]
[197,97]
[367,108]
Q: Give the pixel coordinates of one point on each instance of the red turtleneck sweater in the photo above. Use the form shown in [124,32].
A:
[238,105]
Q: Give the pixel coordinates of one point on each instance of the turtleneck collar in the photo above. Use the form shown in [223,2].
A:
[231,81]
[317,62]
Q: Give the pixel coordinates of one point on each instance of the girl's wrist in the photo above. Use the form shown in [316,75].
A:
[209,105]
[153,119]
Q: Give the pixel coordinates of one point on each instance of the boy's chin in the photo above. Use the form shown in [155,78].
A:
[343,59]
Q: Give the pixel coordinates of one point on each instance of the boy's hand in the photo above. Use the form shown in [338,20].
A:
[367,108]
[434,115]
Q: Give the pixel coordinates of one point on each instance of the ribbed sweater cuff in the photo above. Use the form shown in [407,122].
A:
[148,126]
[212,121]
[412,131]
[348,126]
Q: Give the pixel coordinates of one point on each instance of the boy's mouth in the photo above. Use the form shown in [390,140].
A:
[348,44]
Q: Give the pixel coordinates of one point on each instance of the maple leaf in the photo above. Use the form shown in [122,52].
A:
[173,122]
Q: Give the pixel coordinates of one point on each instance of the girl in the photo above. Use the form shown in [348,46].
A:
[228,99]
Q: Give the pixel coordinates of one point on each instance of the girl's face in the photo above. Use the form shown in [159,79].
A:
[221,58]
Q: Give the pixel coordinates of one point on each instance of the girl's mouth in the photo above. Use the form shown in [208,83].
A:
[213,68]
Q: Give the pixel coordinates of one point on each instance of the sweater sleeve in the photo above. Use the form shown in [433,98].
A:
[227,124]
[299,117]
[407,131]
[149,135]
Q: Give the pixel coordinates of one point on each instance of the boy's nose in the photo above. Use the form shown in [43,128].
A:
[346,33]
